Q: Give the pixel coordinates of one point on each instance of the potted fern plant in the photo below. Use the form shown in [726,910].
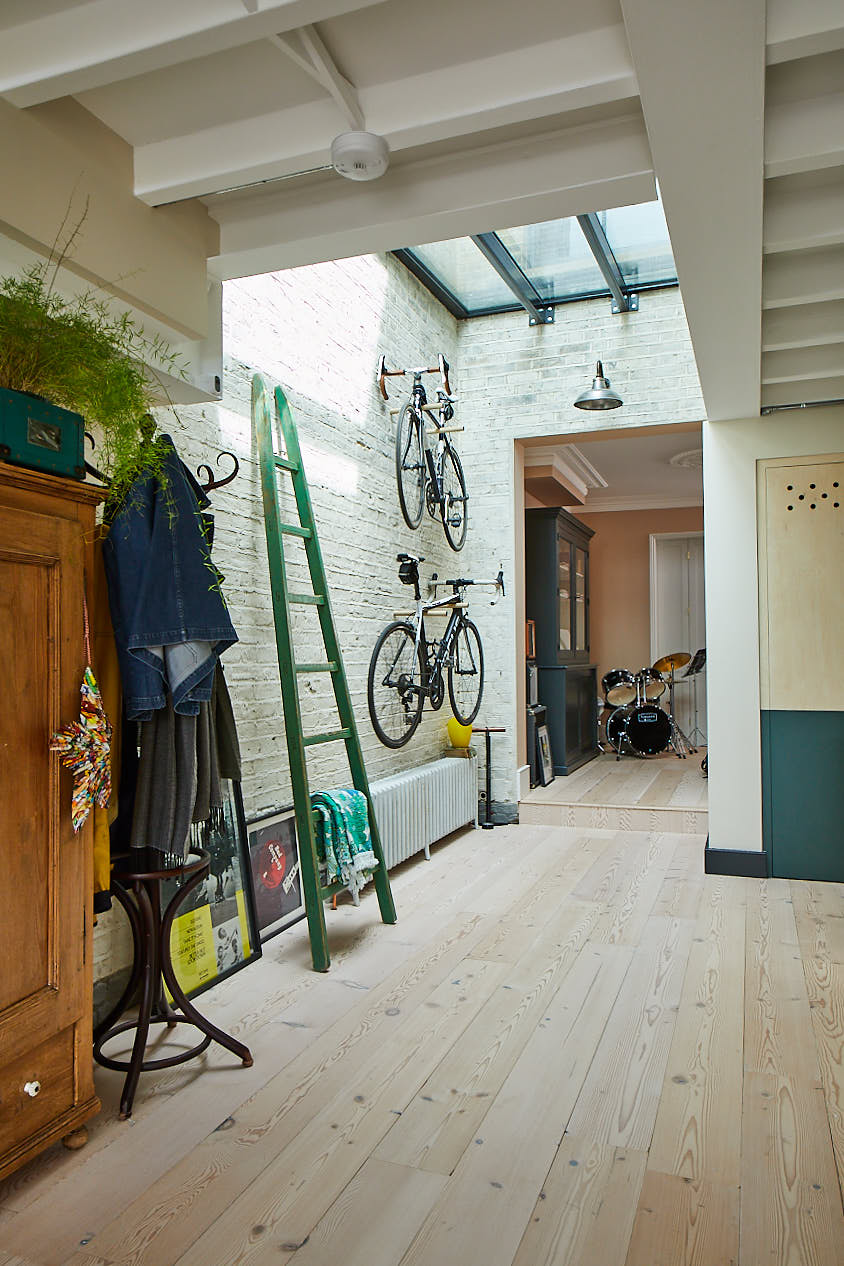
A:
[70,363]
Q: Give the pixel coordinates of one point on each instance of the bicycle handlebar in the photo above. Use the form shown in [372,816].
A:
[461,582]
[442,368]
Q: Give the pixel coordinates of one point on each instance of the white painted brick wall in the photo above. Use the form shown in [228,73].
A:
[519,381]
[318,331]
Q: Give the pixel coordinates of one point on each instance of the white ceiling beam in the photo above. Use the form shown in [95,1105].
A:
[313,57]
[803,30]
[804,135]
[801,218]
[587,71]
[524,181]
[803,325]
[803,277]
[701,79]
[88,45]
[803,364]
[807,391]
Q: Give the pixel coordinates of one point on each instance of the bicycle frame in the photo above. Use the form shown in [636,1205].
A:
[433,459]
[444,649]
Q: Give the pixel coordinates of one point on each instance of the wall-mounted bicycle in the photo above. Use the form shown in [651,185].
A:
[407,668]
[428,470]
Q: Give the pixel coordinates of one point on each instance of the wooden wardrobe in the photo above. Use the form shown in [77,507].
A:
[46,1070]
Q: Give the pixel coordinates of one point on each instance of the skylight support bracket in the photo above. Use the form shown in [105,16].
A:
[623,300]
[495,252]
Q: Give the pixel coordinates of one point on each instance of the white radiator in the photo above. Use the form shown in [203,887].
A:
[415,808]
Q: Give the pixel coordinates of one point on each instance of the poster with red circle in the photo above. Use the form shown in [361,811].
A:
[274,861]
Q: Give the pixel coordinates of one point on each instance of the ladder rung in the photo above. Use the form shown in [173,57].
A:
[307,599]
[284,464]
[331,890]
[330,667]
[331,737]
[290,529]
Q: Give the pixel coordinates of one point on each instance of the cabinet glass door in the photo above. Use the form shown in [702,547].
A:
[564,590]
[581,643]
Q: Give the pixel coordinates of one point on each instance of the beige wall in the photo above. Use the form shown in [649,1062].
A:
[55,159]
[619,560]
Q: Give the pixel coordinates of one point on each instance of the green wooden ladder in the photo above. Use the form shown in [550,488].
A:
[289,670]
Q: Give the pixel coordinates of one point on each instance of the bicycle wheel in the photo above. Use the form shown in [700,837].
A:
[466,673]
[454,507]
[393,689]
[410,466]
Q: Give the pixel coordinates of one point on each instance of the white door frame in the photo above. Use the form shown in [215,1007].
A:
[652,540]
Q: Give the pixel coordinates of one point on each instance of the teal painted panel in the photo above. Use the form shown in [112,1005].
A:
[803,794]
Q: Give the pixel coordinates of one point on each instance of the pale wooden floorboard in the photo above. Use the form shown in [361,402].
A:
[574,1049]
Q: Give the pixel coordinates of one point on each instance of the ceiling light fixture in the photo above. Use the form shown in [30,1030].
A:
[600,396]
[360,155]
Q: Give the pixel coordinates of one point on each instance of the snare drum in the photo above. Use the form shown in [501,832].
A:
[619,686]
[651,684]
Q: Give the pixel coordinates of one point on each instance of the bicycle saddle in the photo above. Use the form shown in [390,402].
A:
[409,558]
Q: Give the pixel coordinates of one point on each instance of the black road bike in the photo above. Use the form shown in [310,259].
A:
[407,668]
[429,474]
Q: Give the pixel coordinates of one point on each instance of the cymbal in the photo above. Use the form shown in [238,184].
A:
[677,659]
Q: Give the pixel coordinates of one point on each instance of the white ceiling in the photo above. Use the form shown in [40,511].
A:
[497,114]
[639,473]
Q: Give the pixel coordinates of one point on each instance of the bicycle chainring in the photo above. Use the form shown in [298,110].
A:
[431,503]
[436,691]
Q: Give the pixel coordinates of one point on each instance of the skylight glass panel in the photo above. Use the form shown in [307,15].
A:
[639,240]
[463,270]
[555,257]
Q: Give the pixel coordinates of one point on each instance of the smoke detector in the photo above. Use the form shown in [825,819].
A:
[360,155]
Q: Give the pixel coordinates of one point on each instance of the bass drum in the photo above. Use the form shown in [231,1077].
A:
[619,686]
[646,728]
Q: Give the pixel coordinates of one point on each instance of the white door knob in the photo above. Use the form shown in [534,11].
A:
[32,1088]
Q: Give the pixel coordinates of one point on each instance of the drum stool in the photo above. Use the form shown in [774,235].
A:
[139,892]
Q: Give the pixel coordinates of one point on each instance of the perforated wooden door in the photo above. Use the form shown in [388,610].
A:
[801,590]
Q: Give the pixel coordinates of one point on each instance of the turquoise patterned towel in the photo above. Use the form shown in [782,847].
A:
[343,840]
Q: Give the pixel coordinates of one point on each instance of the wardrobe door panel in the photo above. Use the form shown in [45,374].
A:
[43,900]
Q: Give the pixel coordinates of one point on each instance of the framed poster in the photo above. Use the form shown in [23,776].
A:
[276,877]
[546,763]
[215,932]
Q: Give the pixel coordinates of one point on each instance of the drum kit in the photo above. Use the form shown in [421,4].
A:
[637,720]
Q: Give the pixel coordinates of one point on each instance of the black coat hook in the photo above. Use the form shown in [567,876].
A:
[213,483]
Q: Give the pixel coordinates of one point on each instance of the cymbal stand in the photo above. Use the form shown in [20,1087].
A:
[679,741]
[701,740]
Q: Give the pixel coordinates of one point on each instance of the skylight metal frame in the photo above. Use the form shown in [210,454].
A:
[493,249]
[623,298]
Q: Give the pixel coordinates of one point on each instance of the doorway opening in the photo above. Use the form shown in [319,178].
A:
[639,494]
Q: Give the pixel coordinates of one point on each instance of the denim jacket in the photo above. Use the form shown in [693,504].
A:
[169,616]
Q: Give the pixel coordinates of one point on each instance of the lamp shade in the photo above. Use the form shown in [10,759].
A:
[600,396]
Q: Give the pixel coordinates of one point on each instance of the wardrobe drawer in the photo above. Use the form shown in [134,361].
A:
[36,1089]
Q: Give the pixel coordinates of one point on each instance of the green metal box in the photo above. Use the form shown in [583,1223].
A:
[41,435]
